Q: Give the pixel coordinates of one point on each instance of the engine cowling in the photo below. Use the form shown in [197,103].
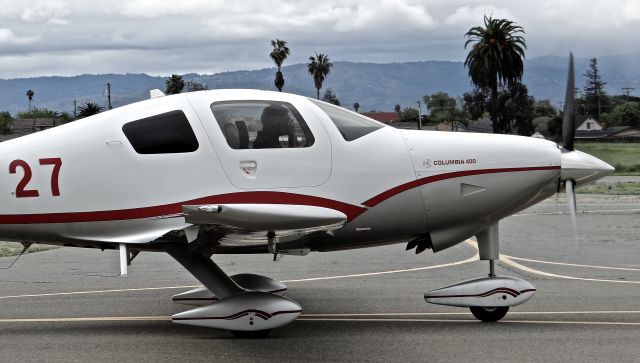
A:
[469,181]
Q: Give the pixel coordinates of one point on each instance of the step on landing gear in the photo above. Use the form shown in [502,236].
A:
[245,313]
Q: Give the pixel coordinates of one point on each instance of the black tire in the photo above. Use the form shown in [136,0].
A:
[489,315]
[257,334]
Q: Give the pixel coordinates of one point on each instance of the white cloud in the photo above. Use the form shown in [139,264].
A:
[43,11]
[58,21]
[469,16]
[162,8]
[7,36]
[167,35]
[631,11]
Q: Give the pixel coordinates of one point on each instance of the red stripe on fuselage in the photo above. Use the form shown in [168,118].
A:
[434,178]
[265,197]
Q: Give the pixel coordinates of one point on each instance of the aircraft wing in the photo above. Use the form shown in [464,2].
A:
[250,224]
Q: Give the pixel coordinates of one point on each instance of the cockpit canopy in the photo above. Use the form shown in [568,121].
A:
[351,125]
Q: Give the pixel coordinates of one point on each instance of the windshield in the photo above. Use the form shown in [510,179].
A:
[350,124]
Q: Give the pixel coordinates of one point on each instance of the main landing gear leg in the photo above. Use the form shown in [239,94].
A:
[206,271]
[247,314]
[488,298]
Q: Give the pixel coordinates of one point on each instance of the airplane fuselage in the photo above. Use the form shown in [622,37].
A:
[85,184]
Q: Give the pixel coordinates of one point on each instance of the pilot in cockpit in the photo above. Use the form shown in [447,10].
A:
[275,123]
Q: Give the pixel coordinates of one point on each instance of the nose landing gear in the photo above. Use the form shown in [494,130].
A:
[488,298]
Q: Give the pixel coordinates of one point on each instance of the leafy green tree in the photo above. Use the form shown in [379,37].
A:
[356,106]
[513,105]
[476,102]
[443,108]
[409,114]
[627,114]
[622,99]
[6,122]
[544,108]
[439,102]
[330,97]
[38,113]
[554,127]
[319,67]
[495,58]
[89,109]
[516,107]
[278,55]
[30,95]
[397,108]
[174,85]
[65,117]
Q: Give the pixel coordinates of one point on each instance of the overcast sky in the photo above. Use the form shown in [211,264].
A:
[160,37]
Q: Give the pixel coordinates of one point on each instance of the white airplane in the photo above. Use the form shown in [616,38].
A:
[246,171]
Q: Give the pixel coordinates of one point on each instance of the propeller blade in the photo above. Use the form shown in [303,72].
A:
[571,197]
[569,117]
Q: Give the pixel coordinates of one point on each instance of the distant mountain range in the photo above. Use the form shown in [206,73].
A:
[374,86]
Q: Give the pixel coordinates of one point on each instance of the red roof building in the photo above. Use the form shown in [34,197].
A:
[386,117]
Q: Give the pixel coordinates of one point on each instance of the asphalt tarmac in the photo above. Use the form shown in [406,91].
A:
[363,305]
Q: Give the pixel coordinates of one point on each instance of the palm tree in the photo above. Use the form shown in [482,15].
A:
[279,54]
[319,66]
[89,109]
[496,57]
[30,95]
[174,84]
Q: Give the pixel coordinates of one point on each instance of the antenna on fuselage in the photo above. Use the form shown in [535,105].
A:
[154,93]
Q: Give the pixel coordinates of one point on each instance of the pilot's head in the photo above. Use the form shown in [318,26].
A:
[275,120]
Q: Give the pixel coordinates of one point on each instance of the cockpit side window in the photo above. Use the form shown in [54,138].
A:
[167,133]
[261,125]
[351,125]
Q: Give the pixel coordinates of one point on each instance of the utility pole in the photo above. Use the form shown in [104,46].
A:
[599,108]
[419,118]
[109,94]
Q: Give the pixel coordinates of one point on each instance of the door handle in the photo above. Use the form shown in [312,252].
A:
[249,168]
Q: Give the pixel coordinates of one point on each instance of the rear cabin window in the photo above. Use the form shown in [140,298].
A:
[261,125]
[351,125]
[167,133]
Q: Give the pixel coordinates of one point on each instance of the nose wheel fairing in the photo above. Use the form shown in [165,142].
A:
[489,292]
